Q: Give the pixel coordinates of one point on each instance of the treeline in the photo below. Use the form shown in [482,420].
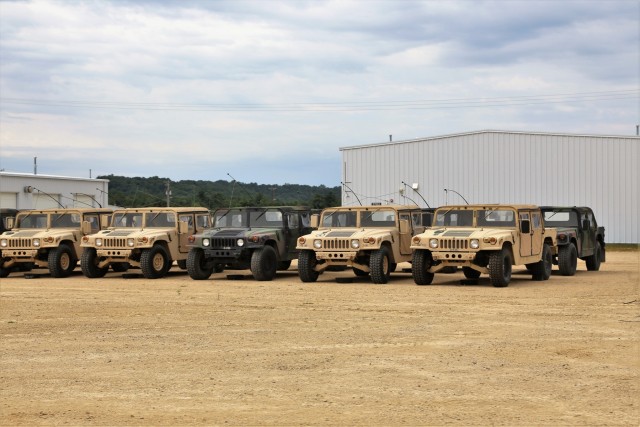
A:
[140,192]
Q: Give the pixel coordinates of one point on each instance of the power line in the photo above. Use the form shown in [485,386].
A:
[344,106]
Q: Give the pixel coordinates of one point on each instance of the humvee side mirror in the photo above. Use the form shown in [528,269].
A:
[86,228]
[9,222]
[404,226]
[315,220]
[183,227]
[525,226]
[586,224]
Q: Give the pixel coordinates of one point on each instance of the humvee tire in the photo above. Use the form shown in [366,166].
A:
[197,265]
[500,268]
[4,272]
[154,262]
[264,263]
[306,264]
[61,261]
[380,266]
[420,263]
[89,264]
[593,261]
[567,259]
[542,269]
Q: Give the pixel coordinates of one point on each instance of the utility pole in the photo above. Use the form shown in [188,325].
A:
[168,193]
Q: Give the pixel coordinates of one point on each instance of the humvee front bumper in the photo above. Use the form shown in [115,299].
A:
[453,256]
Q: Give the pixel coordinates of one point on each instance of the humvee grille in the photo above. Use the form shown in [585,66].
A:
[454,244]
[114,243]
[336,244]
[222,242]
[19,243]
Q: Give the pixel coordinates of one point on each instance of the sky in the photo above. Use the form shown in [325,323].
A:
[268,91]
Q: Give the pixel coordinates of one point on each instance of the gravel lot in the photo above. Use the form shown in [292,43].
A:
[131,351]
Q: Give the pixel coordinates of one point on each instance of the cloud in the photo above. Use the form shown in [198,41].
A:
[275,88]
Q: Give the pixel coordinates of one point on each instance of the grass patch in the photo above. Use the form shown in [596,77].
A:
[622,247]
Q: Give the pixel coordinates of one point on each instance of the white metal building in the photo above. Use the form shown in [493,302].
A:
[504,167]
[31,191]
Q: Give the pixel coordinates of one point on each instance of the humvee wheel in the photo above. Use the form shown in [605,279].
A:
[542,269]
[197,265]
[380,265]
[470,273]
[567,259]
[420,263]
[155,262]
[61,262]
[593,261]
[500,268]
[307,262]
[89,264]
[264,263]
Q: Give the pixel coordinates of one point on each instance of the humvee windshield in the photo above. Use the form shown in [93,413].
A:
[561,218]
[160,219]
[31,220]
[67,220]
[483,218]
[454,218]
[127,219]
[266,218]
[339,219]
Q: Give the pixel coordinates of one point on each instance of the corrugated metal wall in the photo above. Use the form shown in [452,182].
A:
[505,167]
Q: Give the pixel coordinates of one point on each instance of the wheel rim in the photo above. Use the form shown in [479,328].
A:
[65,261]
[158,262]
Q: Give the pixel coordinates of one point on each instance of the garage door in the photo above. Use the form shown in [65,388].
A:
[8,200]
[45,201]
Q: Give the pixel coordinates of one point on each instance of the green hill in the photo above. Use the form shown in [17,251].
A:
[141,192]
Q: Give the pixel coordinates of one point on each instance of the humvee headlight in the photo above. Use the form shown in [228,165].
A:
[131,243]
[98,241]
[415,240]
[206,242]
[240,242]
[433,243]
[4,243]
[317,243]
[36,242]
[474,244]
[254,239]
[302,241]
[355,243]
[48,239]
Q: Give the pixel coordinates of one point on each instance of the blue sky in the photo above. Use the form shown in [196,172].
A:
[269,90]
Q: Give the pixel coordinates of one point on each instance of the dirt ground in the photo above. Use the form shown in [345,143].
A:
[174,351]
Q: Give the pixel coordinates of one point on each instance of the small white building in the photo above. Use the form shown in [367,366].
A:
[31,191]
[503,167]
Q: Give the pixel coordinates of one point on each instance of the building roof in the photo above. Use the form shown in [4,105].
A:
[479,132]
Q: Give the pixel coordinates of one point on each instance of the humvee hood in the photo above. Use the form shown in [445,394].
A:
[239,232]
[471,233]
[38,233]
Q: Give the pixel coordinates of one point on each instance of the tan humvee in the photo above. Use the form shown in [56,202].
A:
[369,239]
[149,238]
[48,238]
[487,239]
